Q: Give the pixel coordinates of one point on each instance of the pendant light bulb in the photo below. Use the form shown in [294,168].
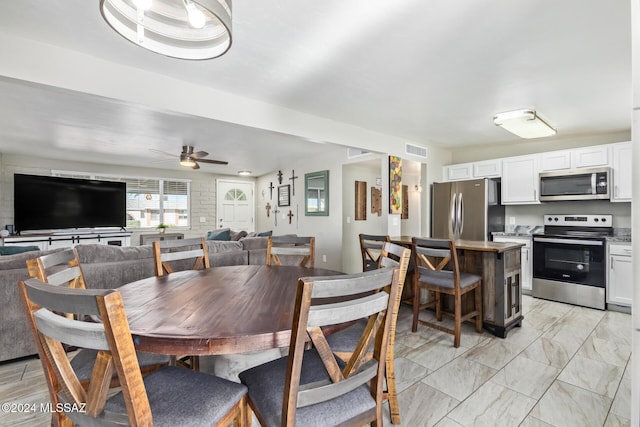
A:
[196,17]
[142,4]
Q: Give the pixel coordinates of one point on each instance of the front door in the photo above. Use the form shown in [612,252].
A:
[235,205]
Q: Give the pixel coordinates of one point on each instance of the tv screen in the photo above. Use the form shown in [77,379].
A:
[50,203]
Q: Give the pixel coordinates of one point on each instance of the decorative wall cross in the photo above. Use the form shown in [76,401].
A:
[275,216]
[271,187]
[268,208]
[290,215]
[279,177]
[293,183]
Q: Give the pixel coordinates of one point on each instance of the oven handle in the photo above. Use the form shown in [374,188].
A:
[569,241]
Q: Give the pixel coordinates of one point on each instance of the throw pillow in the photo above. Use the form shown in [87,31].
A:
[237,235]
[265,233]
[220,234]
[12,250]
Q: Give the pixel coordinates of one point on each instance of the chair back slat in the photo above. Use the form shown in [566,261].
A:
[63,277]
[342,312]
[64,300]
[167,251]
[71,332]
[321,391]
[301,249]
[335,286]
[57,258]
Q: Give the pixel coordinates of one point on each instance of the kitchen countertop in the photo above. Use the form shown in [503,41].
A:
[473,245]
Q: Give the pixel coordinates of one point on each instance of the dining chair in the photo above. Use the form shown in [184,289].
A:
[314,387]
[167,251]
[343,342]
[63,269]
[293,249]
[370,249]
[167,396]
[437,271]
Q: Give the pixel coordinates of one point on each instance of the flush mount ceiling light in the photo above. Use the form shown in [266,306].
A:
[524,123]
[184,29]
[244,173]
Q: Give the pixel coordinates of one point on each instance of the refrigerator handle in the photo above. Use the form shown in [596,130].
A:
[453,224]
[460,217]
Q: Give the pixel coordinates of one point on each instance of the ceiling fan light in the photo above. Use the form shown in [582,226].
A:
[524,123]
[186,160]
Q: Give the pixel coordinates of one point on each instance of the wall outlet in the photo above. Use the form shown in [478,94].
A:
[348,220]
[324,258]
[203,219]
[512,220]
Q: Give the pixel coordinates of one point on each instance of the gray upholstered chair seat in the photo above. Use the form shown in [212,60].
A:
[445,278]
[266,390]
[82,363]
[182,397]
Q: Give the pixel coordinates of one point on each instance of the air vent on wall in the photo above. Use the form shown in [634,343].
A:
[352,153]
[416,150]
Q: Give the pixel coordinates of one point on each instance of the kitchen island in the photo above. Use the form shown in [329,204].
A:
[499,265]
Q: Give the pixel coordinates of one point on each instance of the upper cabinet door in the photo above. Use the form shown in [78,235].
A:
[457,172]
[587,157]
[520,180]
[488,169]
[621,189]
[555,160]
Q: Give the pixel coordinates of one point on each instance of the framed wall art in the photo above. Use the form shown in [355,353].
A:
[395,185]
[284,195]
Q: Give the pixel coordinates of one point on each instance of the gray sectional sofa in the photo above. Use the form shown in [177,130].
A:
[104,267]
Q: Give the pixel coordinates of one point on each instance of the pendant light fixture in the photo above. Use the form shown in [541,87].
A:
[184,29]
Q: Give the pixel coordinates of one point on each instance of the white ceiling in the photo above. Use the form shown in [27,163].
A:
[428,72]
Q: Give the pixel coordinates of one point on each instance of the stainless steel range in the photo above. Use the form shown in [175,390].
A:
[569,263]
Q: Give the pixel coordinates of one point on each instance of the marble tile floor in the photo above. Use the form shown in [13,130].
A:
[566,366]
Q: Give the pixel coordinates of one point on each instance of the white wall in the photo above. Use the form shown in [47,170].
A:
[203,187]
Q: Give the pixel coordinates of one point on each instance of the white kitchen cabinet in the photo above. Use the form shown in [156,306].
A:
[587,157]
[484,169]
[457,172]
[621,171]
[555,160]
[526,259]
[488,169]
[620,274]
[520,180]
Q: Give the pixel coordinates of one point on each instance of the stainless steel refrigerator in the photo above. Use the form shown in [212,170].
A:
[468,210]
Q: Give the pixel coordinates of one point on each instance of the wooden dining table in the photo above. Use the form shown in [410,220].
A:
[220,310]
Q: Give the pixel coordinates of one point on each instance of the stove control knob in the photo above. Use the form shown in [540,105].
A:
[580,267]
[550,219]
[555,219]
[604,219]
[596,219]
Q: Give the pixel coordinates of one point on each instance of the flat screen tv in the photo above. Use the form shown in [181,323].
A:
[54,203]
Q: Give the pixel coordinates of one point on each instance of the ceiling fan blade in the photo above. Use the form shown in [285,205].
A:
[195,166]
[215,162]
[163,153]
[199,154]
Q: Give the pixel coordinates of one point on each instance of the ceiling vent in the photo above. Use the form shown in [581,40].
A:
[353,153]
[416,150]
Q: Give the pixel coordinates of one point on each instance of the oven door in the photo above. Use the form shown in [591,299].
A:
[570,260]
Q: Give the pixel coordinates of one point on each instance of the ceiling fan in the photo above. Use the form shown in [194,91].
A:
[190,159]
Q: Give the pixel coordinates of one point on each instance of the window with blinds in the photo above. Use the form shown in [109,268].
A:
[150,201]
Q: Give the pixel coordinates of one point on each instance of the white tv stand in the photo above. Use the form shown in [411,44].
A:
[69,239]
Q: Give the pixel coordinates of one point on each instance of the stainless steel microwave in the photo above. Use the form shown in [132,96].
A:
[575,184]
